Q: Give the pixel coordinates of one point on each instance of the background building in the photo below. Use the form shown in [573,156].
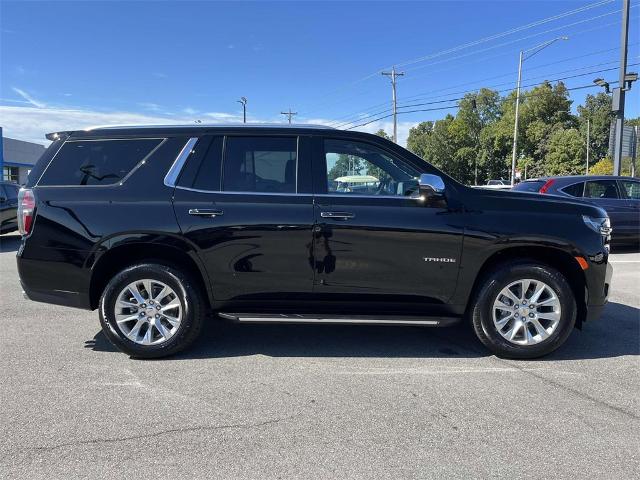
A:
[17,157]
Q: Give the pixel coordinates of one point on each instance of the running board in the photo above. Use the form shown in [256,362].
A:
[341,319]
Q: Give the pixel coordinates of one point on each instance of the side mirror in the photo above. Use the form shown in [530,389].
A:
[431,186]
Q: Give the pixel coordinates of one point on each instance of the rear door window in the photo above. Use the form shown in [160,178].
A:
[96,162]
[260,164]
[601,189]
[575,190]
[631,189]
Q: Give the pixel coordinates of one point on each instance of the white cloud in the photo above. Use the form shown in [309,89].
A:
[29,98]
[159,75]
[153,107]
[31,123]
[189,111]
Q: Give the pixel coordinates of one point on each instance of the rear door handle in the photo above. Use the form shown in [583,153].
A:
[205,212]
[338,215]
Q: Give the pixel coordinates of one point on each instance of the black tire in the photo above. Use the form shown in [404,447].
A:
[191,298]
[499,278]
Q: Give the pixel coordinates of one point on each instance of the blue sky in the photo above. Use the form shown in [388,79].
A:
[68,65]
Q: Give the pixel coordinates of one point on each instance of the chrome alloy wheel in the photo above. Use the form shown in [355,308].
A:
[526,312]
[148,312]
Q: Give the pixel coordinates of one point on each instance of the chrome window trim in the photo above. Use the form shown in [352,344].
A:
[386,197]
[228,126]
[395,197]
[172,175]
[244,193]
[109,185]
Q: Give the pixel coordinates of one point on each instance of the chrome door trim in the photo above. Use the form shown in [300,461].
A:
[172,175]
[206,212]
[338,215]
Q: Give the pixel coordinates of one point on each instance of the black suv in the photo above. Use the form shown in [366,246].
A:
[159,226]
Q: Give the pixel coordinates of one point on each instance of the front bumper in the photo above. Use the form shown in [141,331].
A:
[599,288]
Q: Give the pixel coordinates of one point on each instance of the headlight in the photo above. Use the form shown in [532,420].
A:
[598,225]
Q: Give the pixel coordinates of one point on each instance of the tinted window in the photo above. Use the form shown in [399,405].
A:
[574,190]
[631,189]
[260,164]
[362,169]
[533,186]
[12,192]
[97,162]
[202,169]
[601,189]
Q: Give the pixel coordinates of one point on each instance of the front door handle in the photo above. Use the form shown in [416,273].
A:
[205,212]
[338,215]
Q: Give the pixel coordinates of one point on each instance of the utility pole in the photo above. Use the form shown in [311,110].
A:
[243,101]
[289,114]
[394,75]
[514,154]
[588,141]
[523,56]
[618,93]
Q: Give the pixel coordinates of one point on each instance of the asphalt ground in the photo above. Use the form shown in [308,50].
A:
[318,402]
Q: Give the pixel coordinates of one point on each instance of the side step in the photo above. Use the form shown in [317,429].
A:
[340,319]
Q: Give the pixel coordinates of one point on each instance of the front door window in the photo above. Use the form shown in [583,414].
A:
[355,168]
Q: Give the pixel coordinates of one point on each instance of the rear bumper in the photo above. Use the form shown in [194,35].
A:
[57,297]
[53,281]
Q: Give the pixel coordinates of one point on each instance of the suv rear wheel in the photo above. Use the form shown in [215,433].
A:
[151,311]
[524,310]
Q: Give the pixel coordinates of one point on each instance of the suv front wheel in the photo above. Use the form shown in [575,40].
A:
[524,310]
[151,311]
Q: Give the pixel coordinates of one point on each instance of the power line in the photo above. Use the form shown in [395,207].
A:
[457,105]
[360,114]
[476,42]
[506,33]
[526,95]
[417,96]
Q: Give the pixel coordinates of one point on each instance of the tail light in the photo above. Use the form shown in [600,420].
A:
[546,186]
[26,210]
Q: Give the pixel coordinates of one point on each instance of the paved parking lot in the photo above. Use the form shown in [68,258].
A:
[315,402]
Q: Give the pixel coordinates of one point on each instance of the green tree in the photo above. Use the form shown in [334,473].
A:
[383,134]
[564,153]
[346,165]
[602,167]
[597,110]
[417,140]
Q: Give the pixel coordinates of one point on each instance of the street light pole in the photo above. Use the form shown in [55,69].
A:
[619,98]
[523,57]
[243,101]
[588,141]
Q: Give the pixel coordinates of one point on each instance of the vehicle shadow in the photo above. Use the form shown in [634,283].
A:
[9,242]
[616,334]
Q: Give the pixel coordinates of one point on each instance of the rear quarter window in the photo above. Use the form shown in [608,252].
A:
[96,162]
[534,186]
[574,190]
